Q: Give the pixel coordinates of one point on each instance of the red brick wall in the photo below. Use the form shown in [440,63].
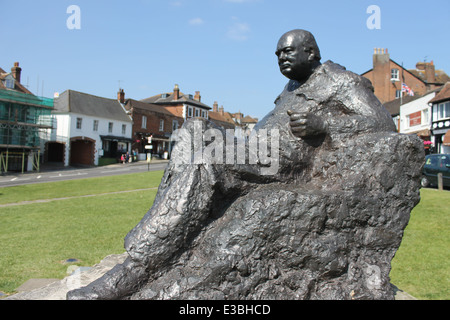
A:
[153,120]
[380,76]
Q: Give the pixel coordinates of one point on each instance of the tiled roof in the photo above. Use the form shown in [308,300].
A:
[224,119]
[90,105]
[443,95]
[168,98]
[441,76]
[248,119]
[17,85]
[131,103]
[393,106]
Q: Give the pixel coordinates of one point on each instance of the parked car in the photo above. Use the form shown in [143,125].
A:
[435,164]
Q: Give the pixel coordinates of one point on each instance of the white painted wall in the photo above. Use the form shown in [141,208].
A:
[407,109]
[66,128]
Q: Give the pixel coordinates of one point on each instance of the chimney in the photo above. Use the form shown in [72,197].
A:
[121,96]
[176,92]
[15,71]
[430,73]
[381,75]
[215,107]
[380,56]
[197,96]
[238,116]
[221,110]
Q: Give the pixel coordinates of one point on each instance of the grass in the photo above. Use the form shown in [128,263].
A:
[72,188]
[421,266]
[35,238]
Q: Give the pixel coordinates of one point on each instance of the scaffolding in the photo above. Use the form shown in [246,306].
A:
[24,119]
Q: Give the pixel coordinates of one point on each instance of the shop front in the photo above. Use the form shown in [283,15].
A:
[114,147]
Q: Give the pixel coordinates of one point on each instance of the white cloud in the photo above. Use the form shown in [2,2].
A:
[196,22]
[239,31]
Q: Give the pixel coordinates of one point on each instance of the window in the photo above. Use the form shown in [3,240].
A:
[398,94]
[124,129]
[395,75]
[441,111]
[79,122]
[144,122]
[189,111]
[203,114]
[9,83]
[196,112]
[444,161]
[407,123]
[110,127]
[161,125]
[425,119]
[174,125]
[106,145]
[433,161]
[95,127]
[444,110]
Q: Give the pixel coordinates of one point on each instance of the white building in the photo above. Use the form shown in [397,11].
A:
[87,128]
[415,115]
[440,120]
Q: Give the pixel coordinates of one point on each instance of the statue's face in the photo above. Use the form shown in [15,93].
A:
[294,61]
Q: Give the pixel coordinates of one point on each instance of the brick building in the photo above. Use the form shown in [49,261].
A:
[151,121]
[387,77]
[222,118]
[160,115]
[181,105]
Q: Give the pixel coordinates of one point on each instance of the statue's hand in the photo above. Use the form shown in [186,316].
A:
[306,124]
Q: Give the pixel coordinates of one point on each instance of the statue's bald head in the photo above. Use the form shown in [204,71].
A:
[298,54]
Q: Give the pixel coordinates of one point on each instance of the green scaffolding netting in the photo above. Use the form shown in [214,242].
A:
[23,117]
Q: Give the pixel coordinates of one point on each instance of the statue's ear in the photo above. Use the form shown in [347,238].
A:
[311,54]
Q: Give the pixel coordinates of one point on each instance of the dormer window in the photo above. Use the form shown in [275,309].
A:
[9,82]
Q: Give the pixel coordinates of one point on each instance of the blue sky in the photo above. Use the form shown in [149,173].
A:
[222,48]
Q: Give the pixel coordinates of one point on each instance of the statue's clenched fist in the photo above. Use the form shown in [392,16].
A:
[305,124]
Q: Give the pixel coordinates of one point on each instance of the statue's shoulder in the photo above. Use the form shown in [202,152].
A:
[340,73]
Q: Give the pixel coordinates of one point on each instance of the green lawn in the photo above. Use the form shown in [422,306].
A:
[36,238]
[421,266]
[80,187]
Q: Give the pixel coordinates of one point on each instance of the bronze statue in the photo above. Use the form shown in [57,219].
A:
[324,225]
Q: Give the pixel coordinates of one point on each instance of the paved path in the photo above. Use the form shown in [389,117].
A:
[74,197]
[51,174]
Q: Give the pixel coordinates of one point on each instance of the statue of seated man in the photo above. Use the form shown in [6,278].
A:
[324,225]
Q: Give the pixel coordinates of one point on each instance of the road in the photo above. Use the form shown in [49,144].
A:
[16,179]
